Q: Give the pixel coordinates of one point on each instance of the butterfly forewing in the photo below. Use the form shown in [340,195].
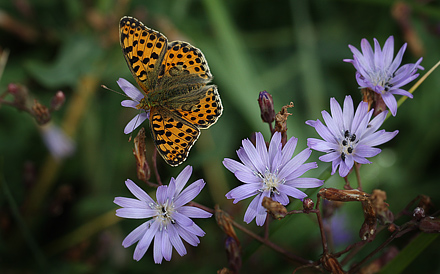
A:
[143,50]
[173,136]
[182,58]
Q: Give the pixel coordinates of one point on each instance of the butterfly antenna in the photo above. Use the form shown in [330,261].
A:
[118,92]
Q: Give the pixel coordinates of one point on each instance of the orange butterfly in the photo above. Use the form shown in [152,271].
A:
[177,98]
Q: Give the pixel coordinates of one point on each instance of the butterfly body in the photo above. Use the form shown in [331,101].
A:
[174,77]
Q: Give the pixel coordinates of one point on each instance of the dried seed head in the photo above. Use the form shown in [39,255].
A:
[277,210]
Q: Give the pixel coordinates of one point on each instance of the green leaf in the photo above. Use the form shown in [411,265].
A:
[76,57]
[409,253]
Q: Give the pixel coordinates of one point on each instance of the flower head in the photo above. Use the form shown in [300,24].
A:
[379,72]
[170,218]
[136,97]
[349,137]
[269,172]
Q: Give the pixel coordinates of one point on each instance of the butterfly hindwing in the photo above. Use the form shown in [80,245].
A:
[143,49]
[173,136]
[201,108]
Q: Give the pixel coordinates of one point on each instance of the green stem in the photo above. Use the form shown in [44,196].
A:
[27,235]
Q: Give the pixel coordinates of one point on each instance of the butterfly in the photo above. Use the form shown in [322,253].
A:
[174,77]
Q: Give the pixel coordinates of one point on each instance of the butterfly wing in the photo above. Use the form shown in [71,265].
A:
[175,78]
[201,107]
[183,87]
[182,58]
[173,136]
[144,50]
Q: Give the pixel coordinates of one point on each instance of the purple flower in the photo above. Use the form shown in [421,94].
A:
[379,72]
[348,138]
[269,173]
[170,218]
[59,143]
[135,102]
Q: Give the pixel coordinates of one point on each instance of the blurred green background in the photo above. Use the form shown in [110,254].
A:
[57,215]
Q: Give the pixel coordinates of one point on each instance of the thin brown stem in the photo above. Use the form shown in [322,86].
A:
[347,183]
[356,267]
[355,246]
[271,129]
[406,209]
[272,245]
[321,227]
[13,104]
[205,208]
[357,167]
[266,227]
[398,233]
[301,211]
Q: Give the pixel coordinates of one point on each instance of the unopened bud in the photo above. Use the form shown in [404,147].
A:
[266,107]
[277,210]
[331,264]
[57,101]
[20,94]
[139,151]
[308,205]
[41,113]
[233,253]
[224,221]
[392,227]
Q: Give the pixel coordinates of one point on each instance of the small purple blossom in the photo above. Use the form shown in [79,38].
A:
[348,136]
[170,218]
[379,72]
[136,96]
[269,173]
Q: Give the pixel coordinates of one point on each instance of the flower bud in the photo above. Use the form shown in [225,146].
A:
[308,205]
[331,264]
[233,252]
[277,210]
[57,101]
[20,94]
[224,221]
[41,113]
[266,107]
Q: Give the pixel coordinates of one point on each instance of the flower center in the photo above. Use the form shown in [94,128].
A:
[164,214]
[270,182]
[348,144]
[382,79]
